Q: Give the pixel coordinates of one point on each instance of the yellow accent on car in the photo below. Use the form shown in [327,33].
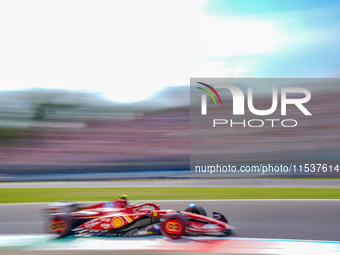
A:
[128,218]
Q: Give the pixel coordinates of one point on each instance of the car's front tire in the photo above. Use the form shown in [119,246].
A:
[173,225]
[201,210]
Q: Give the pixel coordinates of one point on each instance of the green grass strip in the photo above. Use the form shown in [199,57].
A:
[152,193]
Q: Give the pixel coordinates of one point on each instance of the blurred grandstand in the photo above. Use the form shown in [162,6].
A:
[63,131]
[316,138]
[47,131]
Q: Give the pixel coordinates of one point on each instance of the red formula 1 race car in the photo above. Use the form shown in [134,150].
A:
[117,218]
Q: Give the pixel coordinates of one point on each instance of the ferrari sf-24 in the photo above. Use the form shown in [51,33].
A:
[118,218]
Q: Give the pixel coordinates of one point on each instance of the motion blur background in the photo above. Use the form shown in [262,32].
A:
[100,90]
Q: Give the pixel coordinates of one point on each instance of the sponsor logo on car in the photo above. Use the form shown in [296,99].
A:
[117,222]
[105,226]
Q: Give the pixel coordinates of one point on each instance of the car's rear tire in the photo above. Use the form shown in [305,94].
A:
[59,224]
[173,225]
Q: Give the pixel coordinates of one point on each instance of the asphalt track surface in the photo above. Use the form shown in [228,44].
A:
[313,183]
[279,219]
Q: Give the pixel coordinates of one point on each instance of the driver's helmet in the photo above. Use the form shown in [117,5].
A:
[123,196]
[193,208]
[123,199]
[121,202]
